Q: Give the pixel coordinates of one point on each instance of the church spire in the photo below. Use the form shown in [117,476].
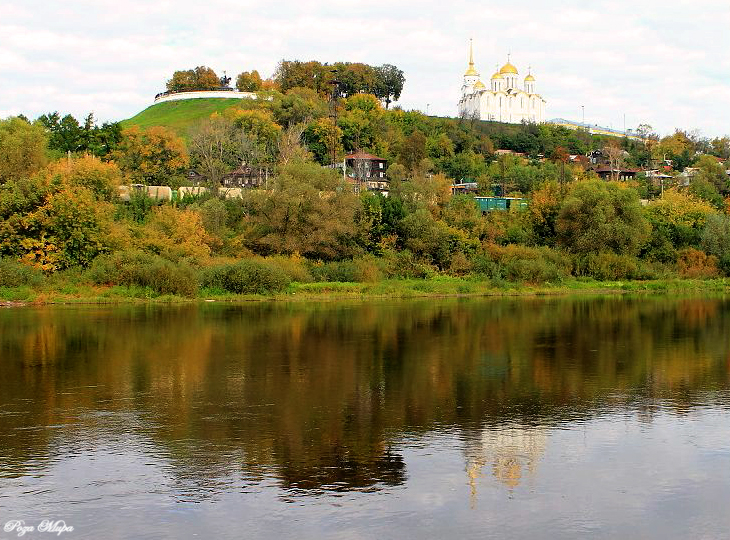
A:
[471,72]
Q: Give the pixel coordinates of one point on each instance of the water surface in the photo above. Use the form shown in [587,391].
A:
[496,418]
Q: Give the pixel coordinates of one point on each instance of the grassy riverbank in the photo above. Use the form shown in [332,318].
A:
[393,288]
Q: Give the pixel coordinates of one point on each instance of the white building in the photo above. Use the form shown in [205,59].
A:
[504,100]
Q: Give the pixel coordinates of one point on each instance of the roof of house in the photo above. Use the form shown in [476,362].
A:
[605,169]
[364,155]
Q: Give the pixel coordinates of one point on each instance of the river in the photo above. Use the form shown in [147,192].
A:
[603,417]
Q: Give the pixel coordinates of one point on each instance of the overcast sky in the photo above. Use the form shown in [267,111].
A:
[665,63]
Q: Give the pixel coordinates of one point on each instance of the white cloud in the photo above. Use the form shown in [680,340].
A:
[664,65]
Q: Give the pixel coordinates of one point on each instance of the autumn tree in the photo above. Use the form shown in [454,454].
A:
[412,151]
[291,145]
[430,192]
[389,85]
[60,218]
[22,148]
[249,81]
[259,127]
[360,122]
[386,82]
[677,220]
[615,156]
[678,147]
[101,178]
[601,216]
[323,138]
[217,147]
[721,147]
[308,210]
[295,74]
[299,105]
[542,213]
[175,234]
[433,239]
[712,171]
[715,239]
[152,156]
[200,78]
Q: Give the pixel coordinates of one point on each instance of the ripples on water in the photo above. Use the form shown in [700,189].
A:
[529,418]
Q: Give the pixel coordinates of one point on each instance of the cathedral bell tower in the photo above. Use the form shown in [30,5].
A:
[471,76]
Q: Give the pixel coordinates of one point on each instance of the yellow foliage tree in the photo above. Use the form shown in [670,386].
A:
[679,209]
[102,178]
[174,234]
[154,156]
[22,148]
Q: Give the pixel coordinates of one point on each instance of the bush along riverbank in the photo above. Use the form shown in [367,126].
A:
[134,276]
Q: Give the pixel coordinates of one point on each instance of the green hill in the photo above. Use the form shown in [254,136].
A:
[179,115]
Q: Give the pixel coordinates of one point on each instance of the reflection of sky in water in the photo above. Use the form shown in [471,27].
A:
[614,476]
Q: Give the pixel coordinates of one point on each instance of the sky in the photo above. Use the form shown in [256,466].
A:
[663,63]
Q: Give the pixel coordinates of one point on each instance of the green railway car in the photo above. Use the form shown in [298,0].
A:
[487,204]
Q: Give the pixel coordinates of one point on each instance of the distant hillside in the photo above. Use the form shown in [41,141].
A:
[179,115]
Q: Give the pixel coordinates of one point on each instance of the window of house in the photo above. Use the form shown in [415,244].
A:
[381,164]
[382,175]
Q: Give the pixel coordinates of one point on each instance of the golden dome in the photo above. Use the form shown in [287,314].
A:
[497,75]
[508,68]
[529,78]
[479,85]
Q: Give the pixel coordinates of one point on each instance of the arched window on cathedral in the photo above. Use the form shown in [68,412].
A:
[522,102]
[500,102]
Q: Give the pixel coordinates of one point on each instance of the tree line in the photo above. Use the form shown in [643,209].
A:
[59,208]
[344,78]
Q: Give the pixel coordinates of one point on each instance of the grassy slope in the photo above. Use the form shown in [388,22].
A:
[179,115]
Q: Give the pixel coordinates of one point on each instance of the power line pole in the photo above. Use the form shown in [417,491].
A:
[333,114]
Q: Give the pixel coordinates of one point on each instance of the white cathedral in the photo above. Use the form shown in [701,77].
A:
[504,100]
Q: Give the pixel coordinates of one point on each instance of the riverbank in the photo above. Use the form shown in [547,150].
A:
[394,288]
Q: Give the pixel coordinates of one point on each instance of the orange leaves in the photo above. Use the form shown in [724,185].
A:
[88,171]
[695,264]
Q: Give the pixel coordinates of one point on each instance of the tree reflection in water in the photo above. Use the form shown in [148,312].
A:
[318,396]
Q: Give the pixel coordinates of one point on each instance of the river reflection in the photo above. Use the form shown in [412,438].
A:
[408,419]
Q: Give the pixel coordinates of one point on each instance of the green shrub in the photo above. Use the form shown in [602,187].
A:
[532,271]
[145,270]
[716,240]
[367,269]
[334,271]
[15,274]
[404,264]
[483,264]
[460,265]
[609,267]
[294,267]
[248,276]
[725,265]
[527,264]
